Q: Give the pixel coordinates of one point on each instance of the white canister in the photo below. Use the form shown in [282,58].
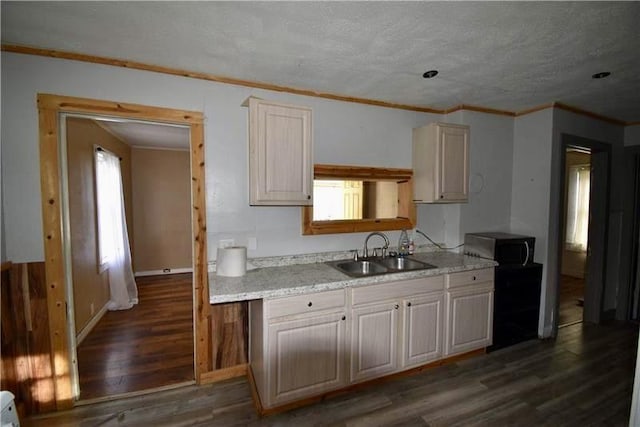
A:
[232,261]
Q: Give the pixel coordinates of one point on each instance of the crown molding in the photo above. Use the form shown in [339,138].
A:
[297,91]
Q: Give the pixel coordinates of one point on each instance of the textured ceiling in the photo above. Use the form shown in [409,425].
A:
[149,135]
[503,55]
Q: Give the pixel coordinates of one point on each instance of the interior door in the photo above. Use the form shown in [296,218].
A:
[596,252]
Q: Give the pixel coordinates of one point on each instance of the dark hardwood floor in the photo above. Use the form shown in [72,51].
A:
[583,377]
[571,291]
[148,346]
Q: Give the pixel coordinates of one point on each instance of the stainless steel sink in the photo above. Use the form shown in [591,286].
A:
[403,264]
[359,268]
[374,266]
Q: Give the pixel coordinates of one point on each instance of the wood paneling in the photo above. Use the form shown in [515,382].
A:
[26,362]
[229,334]
[49,108]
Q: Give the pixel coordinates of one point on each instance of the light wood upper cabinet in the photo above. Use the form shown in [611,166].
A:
[280,154]
[441,163]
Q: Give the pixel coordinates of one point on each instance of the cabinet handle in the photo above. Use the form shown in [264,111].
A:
[310,304]
[344,317]
[309,197]
[408,304]
[474,277]
[442,196]
[396,306]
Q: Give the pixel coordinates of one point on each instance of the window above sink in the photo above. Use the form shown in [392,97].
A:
[351,199]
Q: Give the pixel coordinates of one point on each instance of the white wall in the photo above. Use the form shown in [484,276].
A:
[345,133]
[530,189]
[632,135]
[490,172]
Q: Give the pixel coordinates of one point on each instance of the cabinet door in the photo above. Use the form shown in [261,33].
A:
[453,182]
[422,329]
[306,357]
[469,318]
[374,340]
[280,154]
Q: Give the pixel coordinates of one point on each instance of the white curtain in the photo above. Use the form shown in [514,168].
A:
[115,253]
[578,207]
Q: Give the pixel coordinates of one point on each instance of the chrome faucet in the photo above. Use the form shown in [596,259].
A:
[365,251]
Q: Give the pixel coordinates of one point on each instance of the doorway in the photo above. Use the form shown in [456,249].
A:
[583,232]
[574,248]
[150,344]
[56,236]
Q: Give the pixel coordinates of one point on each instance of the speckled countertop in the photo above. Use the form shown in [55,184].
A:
[300,278]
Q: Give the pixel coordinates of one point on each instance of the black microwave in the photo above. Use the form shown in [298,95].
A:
[505,248]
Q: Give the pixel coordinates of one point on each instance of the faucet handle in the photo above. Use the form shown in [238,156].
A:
[355,255]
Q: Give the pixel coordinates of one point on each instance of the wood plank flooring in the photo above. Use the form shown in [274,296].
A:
[584,377]
[149,346]
[571,290]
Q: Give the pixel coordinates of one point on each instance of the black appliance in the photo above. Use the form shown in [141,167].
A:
[516,306]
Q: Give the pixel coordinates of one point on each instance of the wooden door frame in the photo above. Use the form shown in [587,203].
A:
[49,109]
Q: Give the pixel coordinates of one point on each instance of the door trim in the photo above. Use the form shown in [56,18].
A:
[566,141]
[49,109]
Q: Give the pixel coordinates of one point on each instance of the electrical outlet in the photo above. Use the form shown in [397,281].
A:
[225,243]
[252,243]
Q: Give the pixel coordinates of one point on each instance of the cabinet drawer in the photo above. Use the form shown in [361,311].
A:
[470,277]
[307,303]
[396,290]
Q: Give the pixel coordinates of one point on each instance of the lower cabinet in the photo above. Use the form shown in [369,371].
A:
[298,346]
[306,345]
[306,356]
[374,339]
[422,329]
[469,312]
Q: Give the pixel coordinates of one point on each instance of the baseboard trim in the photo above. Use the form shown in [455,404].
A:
[92,324]
[223,374]
[163,271]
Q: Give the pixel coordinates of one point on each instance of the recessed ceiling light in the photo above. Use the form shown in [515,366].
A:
[601,75]
[429,74]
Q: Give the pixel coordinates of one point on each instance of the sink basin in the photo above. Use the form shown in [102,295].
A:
[359,268]
[375,266]
[403,264]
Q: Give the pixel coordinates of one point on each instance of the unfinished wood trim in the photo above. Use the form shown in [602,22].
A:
[406,208]
[49,109]
[479,110]
[51,53]
[534,109]
[224,374]
[209,77]
[361,172]
[54,258]
[200,277]
[358,386]
[596,116]
[70,104]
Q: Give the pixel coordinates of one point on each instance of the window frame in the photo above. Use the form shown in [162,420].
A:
[406,208]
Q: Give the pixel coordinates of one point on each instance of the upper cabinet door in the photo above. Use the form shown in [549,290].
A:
[280,154]
[441,163]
